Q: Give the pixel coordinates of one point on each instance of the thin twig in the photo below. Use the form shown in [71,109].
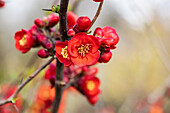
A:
[15,107]
[97,13]
[22,85]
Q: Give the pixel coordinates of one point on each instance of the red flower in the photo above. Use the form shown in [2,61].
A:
[62,53]
[89,84]
[83,49]
[108,35]
[24,41]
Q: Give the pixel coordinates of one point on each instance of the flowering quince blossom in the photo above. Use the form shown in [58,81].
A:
[24,41]
[89,85]
[62,53]
[83,49]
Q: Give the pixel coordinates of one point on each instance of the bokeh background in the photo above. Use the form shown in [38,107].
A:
[138,71]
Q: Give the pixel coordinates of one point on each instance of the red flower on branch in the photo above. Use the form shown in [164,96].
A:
[108,35]
[24,41]
[62,53]
[83,49]
[89,85]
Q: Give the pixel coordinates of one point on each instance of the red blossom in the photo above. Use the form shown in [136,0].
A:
[83,49]
[89,84]
[108,35]
[23,41]
[62,53]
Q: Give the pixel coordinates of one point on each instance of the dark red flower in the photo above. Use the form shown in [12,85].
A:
[83,49]
[62,53]
[23,41]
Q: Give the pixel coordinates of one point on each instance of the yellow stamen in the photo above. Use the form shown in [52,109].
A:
[23,41]
[90,85]
[64,52]
[83,49]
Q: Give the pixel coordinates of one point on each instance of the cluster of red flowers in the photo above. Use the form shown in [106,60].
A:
[44,99]
[7,91]
[80,50]
[88,84]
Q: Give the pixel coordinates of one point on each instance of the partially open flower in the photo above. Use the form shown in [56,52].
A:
[109,36]
[83,49]
[62,53]
[23,41]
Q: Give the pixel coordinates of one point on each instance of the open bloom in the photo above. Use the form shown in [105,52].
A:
[24,41]
[83,49]
[62,53]
[89,85]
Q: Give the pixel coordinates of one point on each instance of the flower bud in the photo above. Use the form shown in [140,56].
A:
[39,22]
[105,57]
[52,20]
[43,53]
[71,33]
[98,32]
[83,23]
[71,19]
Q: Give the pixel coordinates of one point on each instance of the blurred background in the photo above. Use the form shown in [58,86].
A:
[138,74]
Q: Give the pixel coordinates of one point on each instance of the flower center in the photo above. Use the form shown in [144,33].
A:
[90,85]
[64,52]
[83,49]
[23,41]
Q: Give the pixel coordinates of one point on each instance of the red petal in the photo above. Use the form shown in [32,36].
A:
[92,58]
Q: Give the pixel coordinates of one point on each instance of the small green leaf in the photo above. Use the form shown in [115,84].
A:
[14,100]
[57,8]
